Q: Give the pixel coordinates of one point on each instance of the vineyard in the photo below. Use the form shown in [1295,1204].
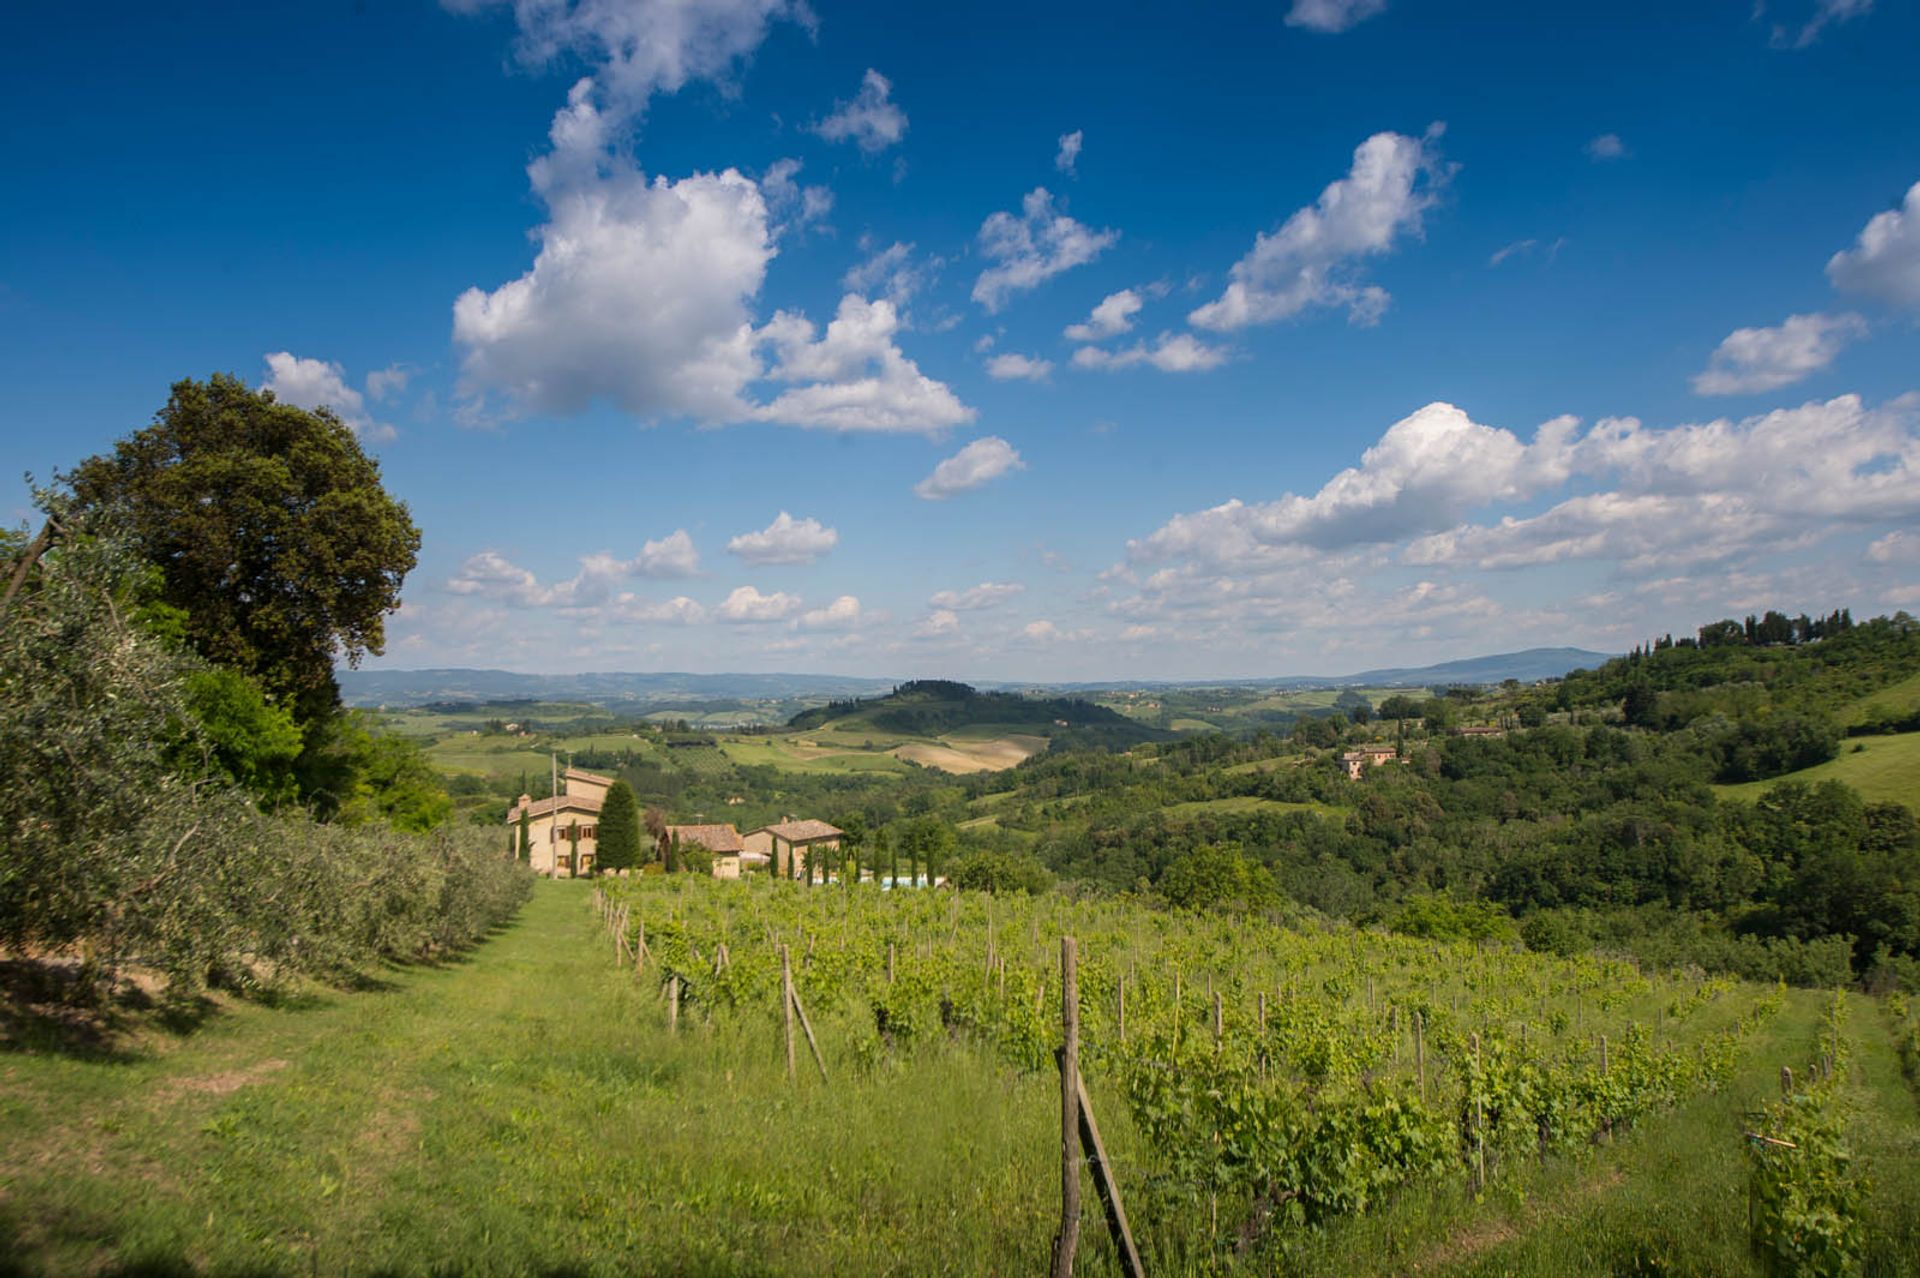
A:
[1269,1080]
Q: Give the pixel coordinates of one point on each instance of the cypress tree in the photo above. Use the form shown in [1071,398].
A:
[619,828]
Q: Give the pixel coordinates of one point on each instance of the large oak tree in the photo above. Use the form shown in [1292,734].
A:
[270,528]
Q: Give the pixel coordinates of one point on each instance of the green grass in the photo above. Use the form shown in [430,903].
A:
[1899,698]
[1880,768]
[784,753]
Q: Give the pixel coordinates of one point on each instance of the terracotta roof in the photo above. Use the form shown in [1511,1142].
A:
[801,831]
[567,803]
[714,838]
[580,774]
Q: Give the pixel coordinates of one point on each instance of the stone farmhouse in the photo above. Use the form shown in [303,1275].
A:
[791,844]
[562,832]
[1356,762]
[723,843]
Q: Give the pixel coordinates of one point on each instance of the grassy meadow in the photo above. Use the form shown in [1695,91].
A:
[1882,769]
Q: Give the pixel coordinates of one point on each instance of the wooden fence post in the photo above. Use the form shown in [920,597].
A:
[813,1044]
[1108,1187]
[786,1003]
[1420,1050]
[1120,1006]
[1068,1239]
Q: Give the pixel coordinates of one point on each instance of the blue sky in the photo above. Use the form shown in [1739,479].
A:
[1302,336]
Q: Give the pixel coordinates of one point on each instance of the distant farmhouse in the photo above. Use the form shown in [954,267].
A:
[1358,761]
[723,843]
[562,835]
[791,845]
[562,832]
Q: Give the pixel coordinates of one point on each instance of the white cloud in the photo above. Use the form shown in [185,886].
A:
[1040,631]
[1016,367]
[639,293]
[939,624]
[1506,251]
[893,271]
[1898,546]
[317,383]
[1307,260]
[677,611]
[1425,473]
[1764,359]
[786,541]
[856,378]
[1068,156]
[1825,13]
[1607,146]
[981,462]
[1332,16]
[642,49]
[871,119]
[988,594]
[792,206]
[1033,247]
[671,556]
[1170,353]
[492,575]
[390,380]
[592,591]
[1113,316]
[1884,262]
[747,605]
[842,614]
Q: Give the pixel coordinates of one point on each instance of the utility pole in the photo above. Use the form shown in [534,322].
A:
[553,817]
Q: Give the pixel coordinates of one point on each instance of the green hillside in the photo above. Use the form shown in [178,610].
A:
[935,707]
[1882,769]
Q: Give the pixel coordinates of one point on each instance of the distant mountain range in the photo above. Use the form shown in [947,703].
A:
[422,687]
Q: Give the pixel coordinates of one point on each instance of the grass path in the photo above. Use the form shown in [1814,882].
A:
[520,1111]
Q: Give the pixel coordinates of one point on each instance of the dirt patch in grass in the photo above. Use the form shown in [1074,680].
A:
[225,1083]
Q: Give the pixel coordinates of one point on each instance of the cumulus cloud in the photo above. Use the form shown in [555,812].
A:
[1032,248]
[988,594]
[871,119]
[671,556]
[593,590]
[1607,146]
[642,290]
[317,383]
[639,293]
[1332,16]
[1170,353]
[1764,359]
[842,614]
[786,541]
[1425,473]
[644,49]
[1112,317]
[855,378]
[1308,261]
[1884,262]
[1016,367]
[1068,156]
[981,462]
[747,605]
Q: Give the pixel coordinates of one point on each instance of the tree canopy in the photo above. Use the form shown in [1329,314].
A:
[619,828]
[270,528]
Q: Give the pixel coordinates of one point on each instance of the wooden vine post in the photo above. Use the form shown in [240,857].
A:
[1068,1239]
[1420,1050]
[1080,1134]
[786,1003]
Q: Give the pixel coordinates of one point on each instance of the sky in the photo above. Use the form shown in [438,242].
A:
[1029,342]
